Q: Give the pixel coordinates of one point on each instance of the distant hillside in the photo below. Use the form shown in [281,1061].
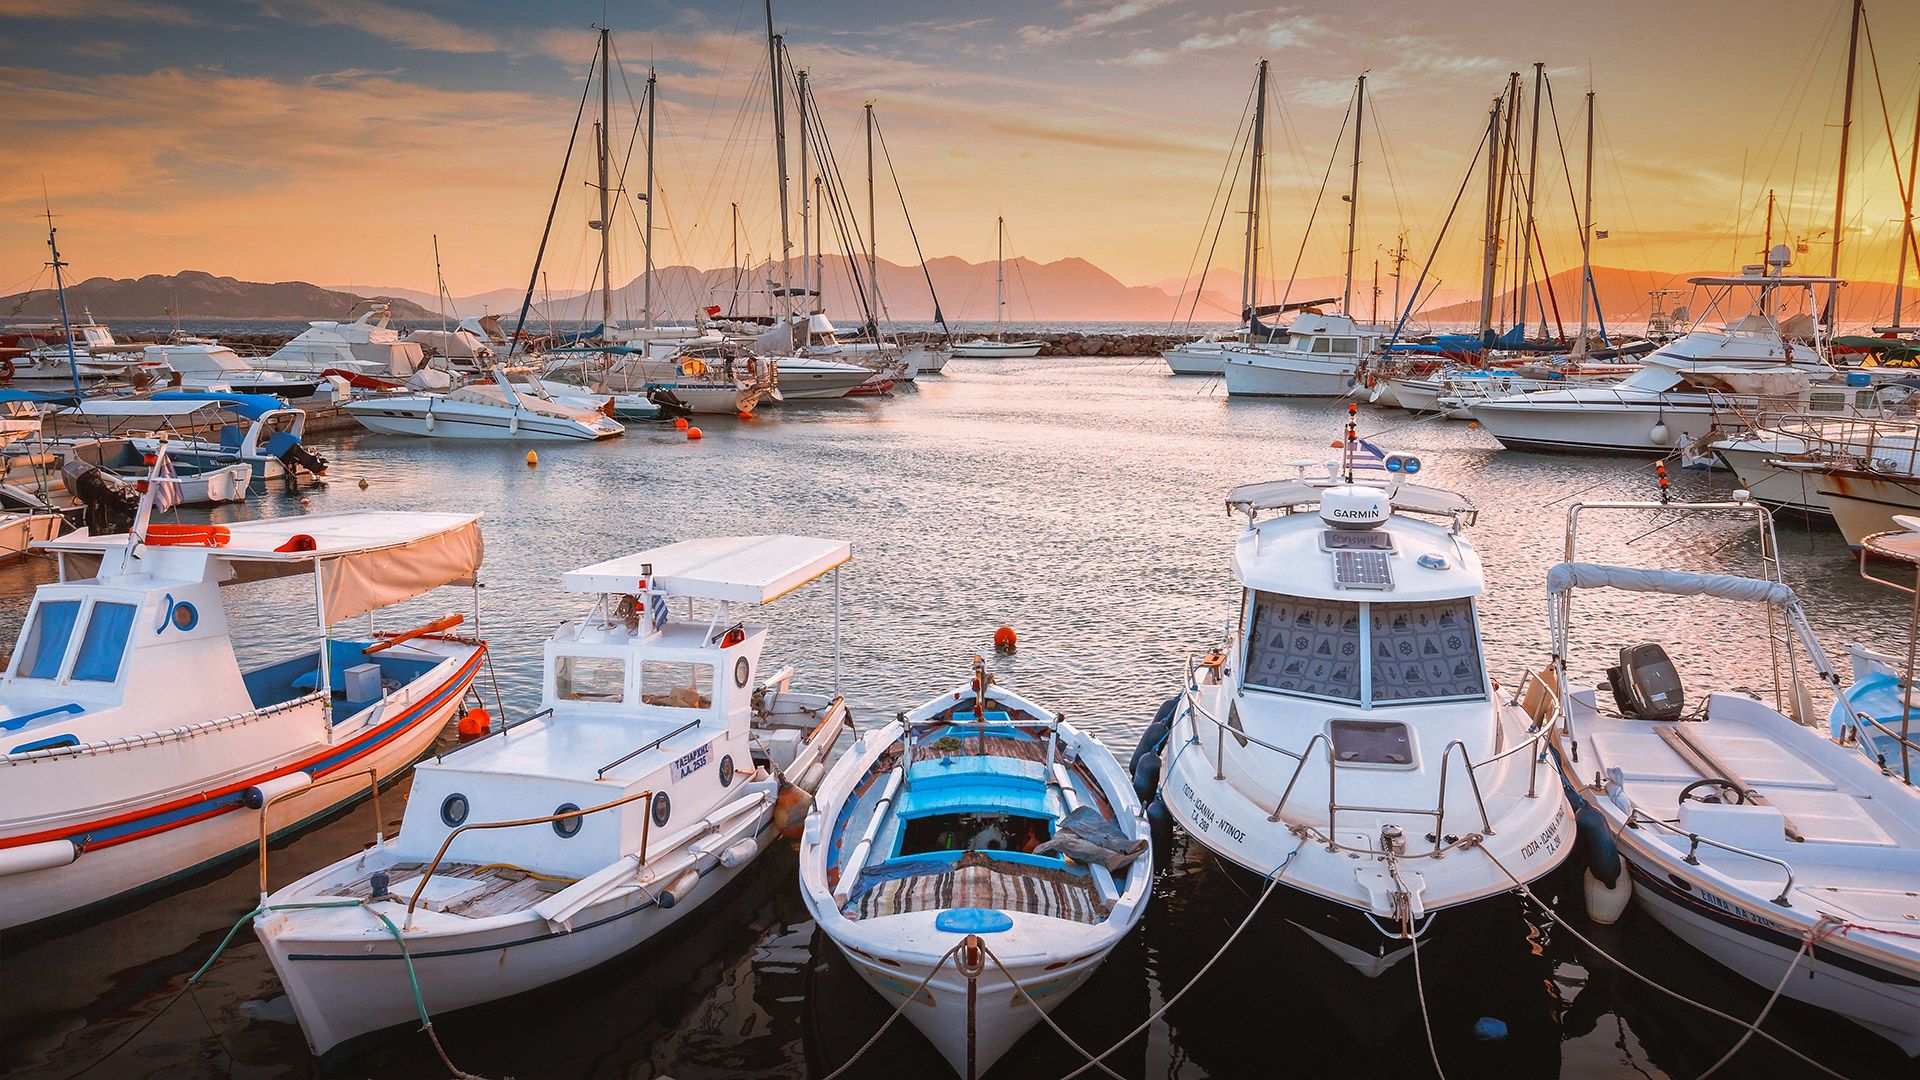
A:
[1623,298]
[196,294]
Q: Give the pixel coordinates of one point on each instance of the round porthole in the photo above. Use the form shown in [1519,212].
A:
[185,616]
[453,810]
[567,827]
[662,809]
[740,672]
[726,771]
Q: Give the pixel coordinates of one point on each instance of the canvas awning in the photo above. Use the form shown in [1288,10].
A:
[1568,576]
[366,560]
[736,569]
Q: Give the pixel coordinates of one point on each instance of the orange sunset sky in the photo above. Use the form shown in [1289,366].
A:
[329,140]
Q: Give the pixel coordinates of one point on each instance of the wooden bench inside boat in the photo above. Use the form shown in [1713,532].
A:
[469,890]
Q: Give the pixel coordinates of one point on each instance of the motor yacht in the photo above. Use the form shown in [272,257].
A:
[499,408]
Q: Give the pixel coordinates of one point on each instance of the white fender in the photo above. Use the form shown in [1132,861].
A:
[676,891]
[257,795]
[1604,905]
[739,853]
[45,855]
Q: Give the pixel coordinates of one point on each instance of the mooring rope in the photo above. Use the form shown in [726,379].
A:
[1419,980]
[1057,1029]
[858,1054]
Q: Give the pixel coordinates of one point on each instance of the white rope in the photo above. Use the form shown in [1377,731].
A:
[1273,880]
[1806,949]
[1752,1029]
[1057,1030]
[858,1054]
[1419,982]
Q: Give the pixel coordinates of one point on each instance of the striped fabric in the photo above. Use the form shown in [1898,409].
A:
[977,881]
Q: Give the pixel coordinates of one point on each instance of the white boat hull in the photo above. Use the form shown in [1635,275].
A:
[1596,426]
[1196,360]
[1789,489]
[19,530]
[455,420]
[998,350]
[1863,505]
[1253,374]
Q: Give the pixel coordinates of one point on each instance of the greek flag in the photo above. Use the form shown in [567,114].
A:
[166,485]
[1363,456]
[656,611]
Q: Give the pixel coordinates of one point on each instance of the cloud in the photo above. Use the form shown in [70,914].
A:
[390,23]
[1294,31]
[1092,22]
[148,11]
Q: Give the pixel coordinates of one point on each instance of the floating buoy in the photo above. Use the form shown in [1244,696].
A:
[1336,445]
[1473,425]
[790,811]
[1005,640]
[532,459]
[306,502]
[475,724]
[363,483]
[694,433]
[680,423]
[744,415]
[1490,1029]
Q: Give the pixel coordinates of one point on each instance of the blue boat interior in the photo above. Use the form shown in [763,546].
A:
[1878,696]
[299,676]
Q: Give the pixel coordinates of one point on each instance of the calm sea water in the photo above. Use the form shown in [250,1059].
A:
[1079,502]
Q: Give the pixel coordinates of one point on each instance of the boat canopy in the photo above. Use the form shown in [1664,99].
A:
[144,407]
[251,406]
[1566,577]
[37,397]
[1290,494]
[366,560]
[734,569]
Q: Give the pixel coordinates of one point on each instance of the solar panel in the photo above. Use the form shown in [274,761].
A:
[1362,570]
[1356,540]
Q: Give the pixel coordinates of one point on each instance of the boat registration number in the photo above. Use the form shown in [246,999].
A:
[692,761]
[1204,818]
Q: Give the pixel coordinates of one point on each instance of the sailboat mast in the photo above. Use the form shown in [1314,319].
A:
[1533,165]
[1906,228]
[873,240]
[60,291]
[806,206]
[1250,262]
[819,244]
[1492,239]
[1846,130]
[1509,153]
[653,86]
[440,283]
[606,217]
[1353,192]
[1586,237]
[999,273]
[780,155]
[734,236]
[1375,317]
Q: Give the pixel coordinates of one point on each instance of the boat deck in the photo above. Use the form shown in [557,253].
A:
[468,890]
[976,880]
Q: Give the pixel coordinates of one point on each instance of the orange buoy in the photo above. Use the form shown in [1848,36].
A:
[680,423]
[363,483]
[474,724]
[745,415]
[532,459]
[694,433]
[790,810]
[1473,425]
[1005,640]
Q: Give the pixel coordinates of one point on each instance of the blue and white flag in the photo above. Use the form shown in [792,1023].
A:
[1363,456]
[657,611]
[166,485]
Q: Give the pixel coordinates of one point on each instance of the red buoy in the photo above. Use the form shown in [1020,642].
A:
[694,433]
[1005,640]
[745,415]
[474,724]
[680,423]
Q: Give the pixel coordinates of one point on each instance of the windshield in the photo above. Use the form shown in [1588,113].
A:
[1413,652]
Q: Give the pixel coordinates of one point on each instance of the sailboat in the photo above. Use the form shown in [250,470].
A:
[998,347]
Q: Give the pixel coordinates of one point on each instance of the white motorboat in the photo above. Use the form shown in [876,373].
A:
[648,780]
[51,368]
[190,482]
[209,365]
[366,346]
[1204,356]
[980,856]
[714,377]
[1783,464]
[1345,740]
[1319,357]
[497,409]
[1866,500]
[138,750]
[812,378]
[271,440]
[575,388]
[1710,380]
[1780,854]
[24,522]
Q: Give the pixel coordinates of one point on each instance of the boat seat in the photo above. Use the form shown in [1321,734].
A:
[975,880]
[1830,817]
[1641,756]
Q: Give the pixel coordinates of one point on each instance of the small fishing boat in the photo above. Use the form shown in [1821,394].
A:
[272,440]
[137,750]
[648,779]
[980,856]
[25,520]
[1879,710]
[1779,853]
[1784,464]
[499,408]
[1347,741]
[191,483]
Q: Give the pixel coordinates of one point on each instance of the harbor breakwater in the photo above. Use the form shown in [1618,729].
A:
[1058,343]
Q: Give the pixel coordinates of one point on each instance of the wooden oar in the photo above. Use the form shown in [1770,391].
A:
[1710,767]
[433,627]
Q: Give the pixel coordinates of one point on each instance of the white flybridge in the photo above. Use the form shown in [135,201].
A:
[1345,739]
[646,781]
[1748,833]
[998,347]
[938,854]
[136,747]
[365,346]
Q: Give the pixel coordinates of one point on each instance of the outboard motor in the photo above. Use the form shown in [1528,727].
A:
[110,502]
[1646,685]
[295,456]
[670,403]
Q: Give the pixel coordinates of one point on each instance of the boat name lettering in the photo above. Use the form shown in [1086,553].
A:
[1549,840]
[1235,832]
[692,761]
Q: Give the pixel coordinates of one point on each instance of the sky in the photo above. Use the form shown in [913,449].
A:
[332,140]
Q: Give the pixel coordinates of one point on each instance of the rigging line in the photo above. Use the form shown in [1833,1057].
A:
[1465,177]
[939,316]
[533,279]
[845,221]
[1388,162]
[1287,294]
[1219,227]
[1893,146]
[1226,170]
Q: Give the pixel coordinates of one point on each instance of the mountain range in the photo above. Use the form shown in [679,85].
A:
[192,294]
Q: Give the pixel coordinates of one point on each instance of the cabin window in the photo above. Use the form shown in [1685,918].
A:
[1424,652]
[590,678]
[675,685]
[46,641]
[104,643]
[1305,647]
[1322,345]
[1346,345]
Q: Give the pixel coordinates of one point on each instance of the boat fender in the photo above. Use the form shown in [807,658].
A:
[676,891]
[1156,733]
[739,853]
[1597,847]
[790,810]
[1160,829]
[1605,903]
[45,855]
[258,795]
[810,780]
[1146,775]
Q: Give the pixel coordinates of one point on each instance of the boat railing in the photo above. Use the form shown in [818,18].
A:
[1911,747]
[1636,817]
[646,830]
[644,747]
[1535,743]
[266,806]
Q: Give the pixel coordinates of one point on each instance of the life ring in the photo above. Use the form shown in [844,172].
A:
[6,369]
[693,367]
[753,368]
[187,536]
